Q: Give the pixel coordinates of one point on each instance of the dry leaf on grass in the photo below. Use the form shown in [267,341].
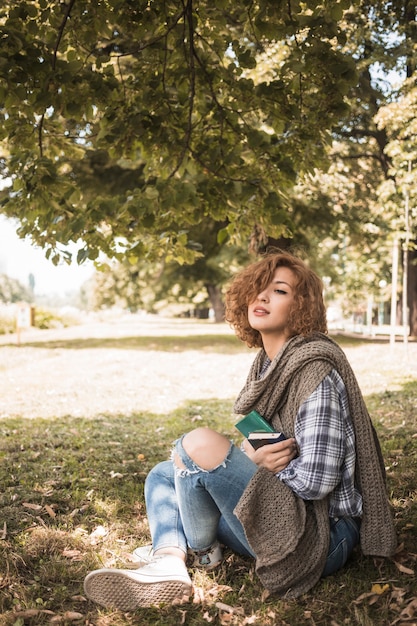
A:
[68,616]
[30,613]
[74,555]
[33,507]
[50,511]
[97,535]
[403,569]
[217,589]
[377,590]
[408,614]
[229,609]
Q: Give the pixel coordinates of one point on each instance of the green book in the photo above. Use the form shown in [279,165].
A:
[253,422]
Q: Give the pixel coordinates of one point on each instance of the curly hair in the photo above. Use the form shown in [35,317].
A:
[308,313]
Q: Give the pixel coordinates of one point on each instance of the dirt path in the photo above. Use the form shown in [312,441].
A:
[54,382]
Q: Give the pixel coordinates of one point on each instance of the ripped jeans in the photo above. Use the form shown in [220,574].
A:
[192,508]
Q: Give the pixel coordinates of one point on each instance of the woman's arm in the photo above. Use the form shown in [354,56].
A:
[320,431]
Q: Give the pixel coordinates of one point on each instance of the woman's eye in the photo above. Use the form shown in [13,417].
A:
[280,291]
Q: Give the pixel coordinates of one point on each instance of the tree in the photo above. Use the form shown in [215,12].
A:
[384,38]
[399,119]
[11,290]
[149,286]
[363,189]
[124,123]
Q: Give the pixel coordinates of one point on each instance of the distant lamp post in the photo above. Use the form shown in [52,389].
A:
[382,285]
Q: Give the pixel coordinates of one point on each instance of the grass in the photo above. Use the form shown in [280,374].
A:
[72,501]
[166,343]
[205,342]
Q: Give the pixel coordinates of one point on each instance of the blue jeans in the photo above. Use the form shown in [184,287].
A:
[193,508]
[344,536]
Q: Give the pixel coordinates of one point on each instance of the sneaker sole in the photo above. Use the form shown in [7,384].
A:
[116,589]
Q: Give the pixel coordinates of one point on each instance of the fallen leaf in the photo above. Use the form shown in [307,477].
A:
[32,613]
[116,474]
[217,589]
[72,615]
[50,510]
[379,589]
[410,610]
[364,596]
[74,555]
[265,595]
[237,610]
[27,614]
[33,507]
[98,533]
[403,569]
[373,599]
[198,595]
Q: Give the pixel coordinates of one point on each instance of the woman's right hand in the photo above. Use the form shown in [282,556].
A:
[272,456]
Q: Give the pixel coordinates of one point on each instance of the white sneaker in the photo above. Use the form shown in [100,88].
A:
[142,556]
[161,581]
[204,559]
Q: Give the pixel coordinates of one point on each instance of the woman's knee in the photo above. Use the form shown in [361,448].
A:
[206,447]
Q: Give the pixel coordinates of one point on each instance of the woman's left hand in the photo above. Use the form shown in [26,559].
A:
[272,456]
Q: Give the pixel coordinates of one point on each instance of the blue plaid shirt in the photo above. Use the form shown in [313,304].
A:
[326,443]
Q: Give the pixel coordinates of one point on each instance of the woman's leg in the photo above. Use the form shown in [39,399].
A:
[162,509]
[211,475]
[344,536]
[165,577]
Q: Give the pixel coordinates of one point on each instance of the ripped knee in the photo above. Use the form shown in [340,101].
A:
[206,447]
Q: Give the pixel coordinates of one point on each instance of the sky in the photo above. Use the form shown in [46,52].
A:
[19,258]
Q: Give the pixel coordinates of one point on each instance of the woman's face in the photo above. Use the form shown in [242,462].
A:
[270,312]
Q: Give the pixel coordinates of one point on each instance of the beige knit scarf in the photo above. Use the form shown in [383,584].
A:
[290,536]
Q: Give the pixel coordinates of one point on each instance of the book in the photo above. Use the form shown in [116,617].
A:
[253,422]
[261,439]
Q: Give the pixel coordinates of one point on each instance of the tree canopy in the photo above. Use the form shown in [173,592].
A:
[137,128]
[125,122]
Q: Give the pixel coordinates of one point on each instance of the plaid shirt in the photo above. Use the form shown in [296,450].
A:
[326,443]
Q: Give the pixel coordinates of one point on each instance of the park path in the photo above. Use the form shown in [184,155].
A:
[44,381]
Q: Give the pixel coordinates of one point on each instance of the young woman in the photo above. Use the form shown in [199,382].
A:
[299,506]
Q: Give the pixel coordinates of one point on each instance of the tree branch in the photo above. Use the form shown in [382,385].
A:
[61,29]
[188,14]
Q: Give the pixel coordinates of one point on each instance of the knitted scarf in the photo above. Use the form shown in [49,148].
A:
[290,536]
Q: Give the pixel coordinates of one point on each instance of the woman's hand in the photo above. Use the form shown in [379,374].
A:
[273,456]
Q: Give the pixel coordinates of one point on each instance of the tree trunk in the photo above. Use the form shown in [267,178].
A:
[216,301]
[412,291]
